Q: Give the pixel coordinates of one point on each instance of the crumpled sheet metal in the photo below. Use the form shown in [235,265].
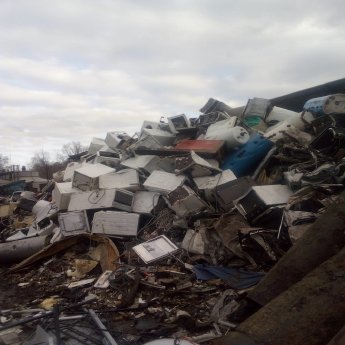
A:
[108,260]
[225,305]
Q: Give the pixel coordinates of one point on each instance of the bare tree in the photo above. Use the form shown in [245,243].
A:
[41,163]
[70,149]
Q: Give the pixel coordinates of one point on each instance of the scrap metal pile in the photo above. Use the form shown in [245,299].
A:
[162,234]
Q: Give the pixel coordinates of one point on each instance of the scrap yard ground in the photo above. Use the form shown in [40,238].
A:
[227,228]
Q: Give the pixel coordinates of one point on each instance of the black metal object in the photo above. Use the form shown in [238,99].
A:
[45,315]
[295,101]
[322,240]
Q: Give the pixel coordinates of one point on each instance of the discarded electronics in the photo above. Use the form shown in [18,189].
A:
[185,202]
[207,119]
[88,158]
[226,193]
[145,202]
[99,198]
[73,223]
[194,165]
[163,182]
[145,144]
[44,209]
[113,223]
[95,145]
[116,139]
[144,163]
[150,125]
[123,200]
[208,184]
[213,105]
[110,159]
[257,107]
[69,171]
[87,177]
[329,141]
[162,137]
[62,194]
[178,122]
[156,249]
[123,179]
[259,198]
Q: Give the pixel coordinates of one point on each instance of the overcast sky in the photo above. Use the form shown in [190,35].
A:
[73,70]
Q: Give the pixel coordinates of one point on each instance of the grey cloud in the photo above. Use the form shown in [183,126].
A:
[71,70]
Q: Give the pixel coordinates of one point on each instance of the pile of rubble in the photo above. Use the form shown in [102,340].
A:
[164,233]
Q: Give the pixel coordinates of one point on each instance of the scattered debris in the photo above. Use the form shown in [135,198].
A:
[164,233]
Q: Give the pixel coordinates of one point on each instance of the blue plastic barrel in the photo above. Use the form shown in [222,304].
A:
[247,157]
[315,105]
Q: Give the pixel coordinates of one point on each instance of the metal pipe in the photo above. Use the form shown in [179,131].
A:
[102,328]
[14,251]
[46,314]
